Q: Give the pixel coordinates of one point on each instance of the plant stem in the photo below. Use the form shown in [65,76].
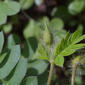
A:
[73,74]
[50,73]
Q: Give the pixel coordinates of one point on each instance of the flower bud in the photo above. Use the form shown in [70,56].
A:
[47,36]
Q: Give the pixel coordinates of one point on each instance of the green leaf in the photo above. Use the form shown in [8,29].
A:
[79,39]
[13,39]
[11,7]
[26,4]
[42,79]
[41,53]
[59,61]
[35,67]
[1,41]
[28,51]
[30,46]
[77,34]
[3,18]
[57,26]
[10,42]
[19,73]
[7,28]
[57,23]
[71,49]
[70,40]
[47,36]
[80,26]
[78,80]
[11,62]
[69,45]
[76,7]
[31,80]
[64,15]
[8,8]
[32,30]
[2,57]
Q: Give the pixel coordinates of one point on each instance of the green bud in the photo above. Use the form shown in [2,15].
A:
[47,36]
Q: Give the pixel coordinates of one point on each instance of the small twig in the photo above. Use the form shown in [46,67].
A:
[73,74]
[50,73]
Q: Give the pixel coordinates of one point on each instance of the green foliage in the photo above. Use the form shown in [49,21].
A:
[69,45]
[57,23]
[13,68]
[76,7]
[35,67]
[12,61]
[66,47]
[23,58]
[26,4]
[78,80]
[32,80]
[13,39]
[57,26]
[32,30]
[19,73]
[7,28]
[47,36]
[41,53]
[36,80]
[53,30]
[59,61]
[2,57]
[42,79]
[3,18]
[8,8]
[1,41]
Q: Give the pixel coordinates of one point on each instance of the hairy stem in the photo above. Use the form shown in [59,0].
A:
[73,74]
[50,73]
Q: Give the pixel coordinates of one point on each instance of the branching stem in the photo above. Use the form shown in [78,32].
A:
[50,73]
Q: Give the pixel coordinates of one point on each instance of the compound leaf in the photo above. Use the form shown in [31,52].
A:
[69,45]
